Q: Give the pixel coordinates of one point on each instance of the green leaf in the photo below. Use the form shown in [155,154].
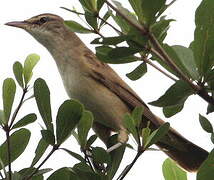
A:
[212,138]
[28,171]
[187,60]
[145,134]
[40,150]
[42,96]
[205,124]
[160,28]
[210,107]
[116,156]
[29,64]
[76,27]
[129,124]
[91,140]
[172,110]
[204,36]
[28,119]
[100,4]
[88,5]
[84,126]
[206,170]
[2,119]
[63,174]
[105,18]
[172,171]
[18,73]
[75,155]
[111,40]
[18,142]
[102,52]
[100,155]
[137,114]
[130,16]
[9,91]
[68,116]
[91,19]
[121,52]
[175,95]
[137,7]
[123,24]
[157,135]
[48,136]
[150,8]
[138,72]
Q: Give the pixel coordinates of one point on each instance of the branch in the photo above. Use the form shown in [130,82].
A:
[25,90]
[55,147]
[144,31]
[128,168]
[7,130]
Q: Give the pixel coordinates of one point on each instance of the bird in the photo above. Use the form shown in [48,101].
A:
[96,85]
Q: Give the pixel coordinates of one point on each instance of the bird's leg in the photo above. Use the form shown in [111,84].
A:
[122,139]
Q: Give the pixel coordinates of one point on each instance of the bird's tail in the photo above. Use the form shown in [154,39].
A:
[188,155]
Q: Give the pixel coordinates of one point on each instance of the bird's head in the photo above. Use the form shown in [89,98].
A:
[45,28]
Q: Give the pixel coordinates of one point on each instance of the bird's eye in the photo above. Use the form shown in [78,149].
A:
[43,20]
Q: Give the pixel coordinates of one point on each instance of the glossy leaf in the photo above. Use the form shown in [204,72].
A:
[18,72]
[204,36]
[116,156]
[89,5]
[150,8]
[100,155]
[28,119]
[48,136]
[102,52]
[18,142]
[129,124]
[91,140]
[205,124]
[175,95]
[137,7]
[75,155]
[187,60]
[105,18]
[29,64]
[145,134]
[130,16]
[111,40]
[206,170]
[42,96]
[91,20]
[137,114]
[40,150]
[138,72]
[9,91]
[172,110]
[84,126]
[2,119]
[68,116]
[160,28]
[172,171]
[63,174]
[76,27]
[157,135]
[100,4]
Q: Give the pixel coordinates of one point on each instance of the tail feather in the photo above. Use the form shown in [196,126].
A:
[188,155]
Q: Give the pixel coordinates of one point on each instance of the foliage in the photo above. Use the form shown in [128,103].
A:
[139,36]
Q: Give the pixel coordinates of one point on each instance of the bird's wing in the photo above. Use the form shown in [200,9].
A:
[105,75]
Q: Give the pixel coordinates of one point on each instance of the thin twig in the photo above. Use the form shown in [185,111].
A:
[128,168]
[18,107]
[157,68]
[88,160]
[8,152]
[144,31]
[55,147]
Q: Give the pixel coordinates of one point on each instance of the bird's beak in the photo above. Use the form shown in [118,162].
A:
[19,24]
